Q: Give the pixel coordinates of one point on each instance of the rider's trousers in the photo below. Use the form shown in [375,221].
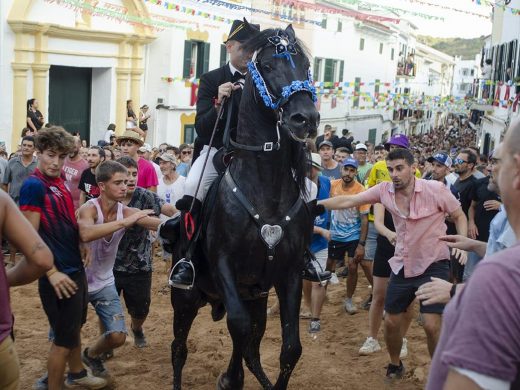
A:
[209,174]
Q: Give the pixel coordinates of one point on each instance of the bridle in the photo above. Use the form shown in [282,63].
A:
[285,48]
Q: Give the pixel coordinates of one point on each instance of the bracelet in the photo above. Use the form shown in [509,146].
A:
[51,272]
[453,290]
[362,243]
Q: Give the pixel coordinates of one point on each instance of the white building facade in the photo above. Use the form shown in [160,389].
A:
[464,75]
[499,97]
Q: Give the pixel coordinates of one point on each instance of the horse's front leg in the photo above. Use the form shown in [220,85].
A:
[238,323]
[185,307]
[289,291]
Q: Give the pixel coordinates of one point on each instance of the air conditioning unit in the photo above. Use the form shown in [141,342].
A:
[160,101]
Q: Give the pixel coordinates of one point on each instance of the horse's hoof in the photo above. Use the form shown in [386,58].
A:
[218,311]
[223,383]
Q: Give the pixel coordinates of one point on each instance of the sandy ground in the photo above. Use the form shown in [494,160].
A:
[329,361]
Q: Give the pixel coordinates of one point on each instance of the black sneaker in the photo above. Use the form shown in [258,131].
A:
[395,372]
[139,339]
[95,364]
[42,383]
[107,355]
[366,303]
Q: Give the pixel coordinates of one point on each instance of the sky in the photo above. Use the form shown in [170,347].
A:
[455,24]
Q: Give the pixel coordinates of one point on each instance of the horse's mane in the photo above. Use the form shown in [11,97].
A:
[260,40]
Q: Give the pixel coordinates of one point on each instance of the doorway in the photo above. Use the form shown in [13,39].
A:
[70,91]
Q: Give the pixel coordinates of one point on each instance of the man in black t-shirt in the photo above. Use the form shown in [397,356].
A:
[464,164]
[465,184]
[87,183]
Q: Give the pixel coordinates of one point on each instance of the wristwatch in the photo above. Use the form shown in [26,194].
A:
[362,243]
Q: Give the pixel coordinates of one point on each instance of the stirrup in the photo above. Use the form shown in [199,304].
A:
[182,286]
[322,283]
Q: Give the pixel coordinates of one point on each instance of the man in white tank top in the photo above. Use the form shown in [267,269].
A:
[102,222]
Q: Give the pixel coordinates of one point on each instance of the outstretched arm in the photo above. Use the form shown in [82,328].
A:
[343,202]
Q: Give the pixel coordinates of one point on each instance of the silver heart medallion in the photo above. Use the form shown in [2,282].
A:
[271,234]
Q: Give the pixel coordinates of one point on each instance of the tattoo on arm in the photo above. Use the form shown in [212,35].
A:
[38,246]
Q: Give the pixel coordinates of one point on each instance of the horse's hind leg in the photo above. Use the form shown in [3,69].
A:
[289,292]
[185,309]
[257,310]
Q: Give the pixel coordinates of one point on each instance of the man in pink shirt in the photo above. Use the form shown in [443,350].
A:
[73,169]
[130,142]
[418,208]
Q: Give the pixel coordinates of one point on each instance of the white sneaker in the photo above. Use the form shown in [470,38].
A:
[334,278]
[88,381]
[404,349]
[350,308]
[370,346]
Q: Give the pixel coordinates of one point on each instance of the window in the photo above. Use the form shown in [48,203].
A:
[361,43]
[324,22]
[376,92]
[380,48]
[392,53]
[196,59]
[372,136]
[189,134]
[223,55]
[328,70]
[473,72]
[340,26]
[357,88]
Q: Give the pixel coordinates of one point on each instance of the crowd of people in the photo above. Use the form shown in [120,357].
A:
[417,214]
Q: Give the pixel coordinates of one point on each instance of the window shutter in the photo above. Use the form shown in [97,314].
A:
[316,69]
[187,60]
[329,70]
[357,89]
[392,53]
[341,65]
[205,65]
[223,55]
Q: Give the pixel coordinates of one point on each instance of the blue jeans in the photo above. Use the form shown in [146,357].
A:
[473,260]
[108,307]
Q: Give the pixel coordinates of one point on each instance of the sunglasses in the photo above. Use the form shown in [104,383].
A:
[460,161]
[186,152]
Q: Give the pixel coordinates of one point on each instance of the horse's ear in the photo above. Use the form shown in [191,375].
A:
[290,31]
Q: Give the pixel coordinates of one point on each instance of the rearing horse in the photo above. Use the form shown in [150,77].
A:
[258,227]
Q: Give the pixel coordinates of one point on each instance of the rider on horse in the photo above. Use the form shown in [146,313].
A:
[214,87]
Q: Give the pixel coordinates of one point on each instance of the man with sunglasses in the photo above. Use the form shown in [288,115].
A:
[464,185]
[186,151]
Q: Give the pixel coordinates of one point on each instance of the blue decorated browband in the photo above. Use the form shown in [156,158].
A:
[284,49]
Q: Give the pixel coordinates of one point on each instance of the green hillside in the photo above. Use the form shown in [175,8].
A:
[467,48]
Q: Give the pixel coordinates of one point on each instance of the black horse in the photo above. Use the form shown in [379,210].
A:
[257,229]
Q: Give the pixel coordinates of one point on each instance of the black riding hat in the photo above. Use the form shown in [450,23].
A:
[242,30]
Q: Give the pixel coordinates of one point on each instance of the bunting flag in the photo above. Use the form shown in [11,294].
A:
[498,4]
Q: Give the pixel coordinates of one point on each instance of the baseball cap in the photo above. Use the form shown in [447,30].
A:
[316,161]
[145,148]
[350,162]
[326,143]
[361,146]
[400,140]
[168,157]
[441,158]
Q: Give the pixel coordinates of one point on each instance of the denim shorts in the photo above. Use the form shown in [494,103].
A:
[108,307]
[371,242]
[401,291]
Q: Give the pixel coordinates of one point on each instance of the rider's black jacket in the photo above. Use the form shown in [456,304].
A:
[207,112]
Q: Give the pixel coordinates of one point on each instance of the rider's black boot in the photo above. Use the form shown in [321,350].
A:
[310,272]
[183,273]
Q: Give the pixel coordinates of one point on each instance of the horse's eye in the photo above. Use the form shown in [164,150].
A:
[267,68]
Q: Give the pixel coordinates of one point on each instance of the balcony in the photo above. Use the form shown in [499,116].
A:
[406,68]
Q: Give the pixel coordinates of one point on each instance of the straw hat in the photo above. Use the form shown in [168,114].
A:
[130,135]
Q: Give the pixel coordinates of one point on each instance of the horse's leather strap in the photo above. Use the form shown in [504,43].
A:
[254,214]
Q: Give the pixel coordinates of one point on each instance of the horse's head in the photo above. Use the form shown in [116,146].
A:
[280,72]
